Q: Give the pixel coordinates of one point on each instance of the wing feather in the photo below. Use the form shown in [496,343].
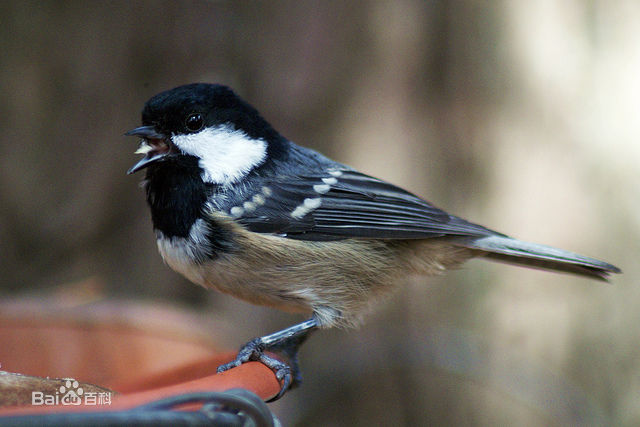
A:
[355,206]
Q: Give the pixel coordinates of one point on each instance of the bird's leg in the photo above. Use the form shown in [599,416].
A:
[286,342]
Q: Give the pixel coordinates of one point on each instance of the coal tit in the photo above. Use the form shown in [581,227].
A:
[239,208]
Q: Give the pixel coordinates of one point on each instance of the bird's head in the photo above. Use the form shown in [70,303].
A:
[207,123]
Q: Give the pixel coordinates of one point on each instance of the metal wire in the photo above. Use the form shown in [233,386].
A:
[236,407]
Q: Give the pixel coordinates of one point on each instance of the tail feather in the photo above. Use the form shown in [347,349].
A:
[506,249]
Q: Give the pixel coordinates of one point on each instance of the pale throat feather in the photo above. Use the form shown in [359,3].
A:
[226,154]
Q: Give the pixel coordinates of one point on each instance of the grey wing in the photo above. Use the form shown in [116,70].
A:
[348,204]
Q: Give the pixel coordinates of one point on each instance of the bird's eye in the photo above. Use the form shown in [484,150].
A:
[194,122]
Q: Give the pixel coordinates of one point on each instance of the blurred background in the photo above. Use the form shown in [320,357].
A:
[521,116]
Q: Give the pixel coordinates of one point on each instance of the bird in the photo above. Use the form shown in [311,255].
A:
[239,208]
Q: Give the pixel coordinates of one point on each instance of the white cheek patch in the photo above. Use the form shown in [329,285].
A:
[226,155]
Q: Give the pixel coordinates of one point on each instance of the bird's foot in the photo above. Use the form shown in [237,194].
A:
[254,350]
[286,343]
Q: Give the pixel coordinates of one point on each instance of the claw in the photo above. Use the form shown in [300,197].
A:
[283,373]
[254,351]
[251,351]
[286,342]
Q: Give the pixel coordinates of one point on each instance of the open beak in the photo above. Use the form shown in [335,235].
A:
[155,146]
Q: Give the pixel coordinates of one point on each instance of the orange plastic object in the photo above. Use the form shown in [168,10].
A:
[141,352]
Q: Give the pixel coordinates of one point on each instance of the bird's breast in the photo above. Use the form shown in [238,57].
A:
[176,195]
